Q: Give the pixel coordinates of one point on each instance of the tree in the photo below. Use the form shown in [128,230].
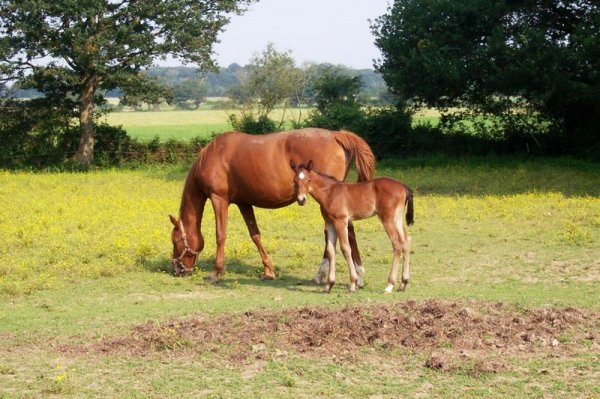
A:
[336,95]
[190,90]
[81,46]
[497,57]
[272,80]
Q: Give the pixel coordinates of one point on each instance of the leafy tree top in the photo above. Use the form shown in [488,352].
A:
[111,39]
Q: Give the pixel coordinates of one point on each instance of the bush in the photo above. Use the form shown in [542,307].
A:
[248,123]
[33,134]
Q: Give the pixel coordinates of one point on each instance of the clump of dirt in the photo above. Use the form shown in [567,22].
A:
[453,333]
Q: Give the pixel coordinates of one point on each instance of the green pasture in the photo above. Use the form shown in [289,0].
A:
[183,125]
[86,256]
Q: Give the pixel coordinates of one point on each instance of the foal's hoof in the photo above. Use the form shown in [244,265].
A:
[327,288]
[212,279]
[402,286]
[267,277]
[389,289]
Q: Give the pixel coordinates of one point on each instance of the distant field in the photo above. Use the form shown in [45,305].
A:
[185,125]
[180,125]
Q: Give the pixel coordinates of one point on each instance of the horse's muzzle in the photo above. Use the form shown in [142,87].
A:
[301,200]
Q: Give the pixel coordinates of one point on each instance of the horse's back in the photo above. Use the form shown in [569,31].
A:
[254,169]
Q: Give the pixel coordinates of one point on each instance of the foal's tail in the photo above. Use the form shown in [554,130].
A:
[363,156]
[410,212]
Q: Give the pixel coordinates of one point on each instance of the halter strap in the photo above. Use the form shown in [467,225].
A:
[186,246]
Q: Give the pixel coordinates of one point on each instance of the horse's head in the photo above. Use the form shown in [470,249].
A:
[184,257]
[302,180]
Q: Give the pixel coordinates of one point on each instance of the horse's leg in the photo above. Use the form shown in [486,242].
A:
[360,270]
[405,254]
[321,275]
[396,235]
[247,212]
[330,253]
[341,229]
[220,206]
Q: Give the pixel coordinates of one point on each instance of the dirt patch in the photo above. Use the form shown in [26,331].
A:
[451,333]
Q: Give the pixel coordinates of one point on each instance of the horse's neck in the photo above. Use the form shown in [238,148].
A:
[191,210]
[321,186]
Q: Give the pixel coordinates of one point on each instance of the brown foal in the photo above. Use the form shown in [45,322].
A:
[343,202]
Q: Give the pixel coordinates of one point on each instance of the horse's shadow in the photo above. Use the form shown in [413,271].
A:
[237,273]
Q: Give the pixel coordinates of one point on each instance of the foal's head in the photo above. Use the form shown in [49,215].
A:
[184,257]
[302,180]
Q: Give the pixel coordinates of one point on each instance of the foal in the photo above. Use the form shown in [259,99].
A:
[343,202]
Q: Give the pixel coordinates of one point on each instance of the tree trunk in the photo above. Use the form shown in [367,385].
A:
[85,153]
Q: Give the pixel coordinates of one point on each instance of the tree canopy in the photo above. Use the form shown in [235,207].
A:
[496,56]
[75,47]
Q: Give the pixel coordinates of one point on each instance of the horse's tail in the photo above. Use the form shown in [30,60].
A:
[363,156]
[410,212]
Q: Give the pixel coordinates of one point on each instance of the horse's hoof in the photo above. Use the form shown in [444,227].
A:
[267,277]
[327,289]
[212,279]
[389,289]
[360,270]
[402,286]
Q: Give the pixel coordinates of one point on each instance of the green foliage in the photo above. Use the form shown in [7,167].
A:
[248,123]
[190,93]
[273,79]
[90,45]
[33,133]
[513,61]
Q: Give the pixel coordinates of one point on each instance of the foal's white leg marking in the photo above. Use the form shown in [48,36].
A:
[360,271]
[321,275]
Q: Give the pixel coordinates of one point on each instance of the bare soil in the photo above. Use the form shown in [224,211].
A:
[448,332]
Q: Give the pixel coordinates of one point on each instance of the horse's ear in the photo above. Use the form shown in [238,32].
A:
[309,166]
[293,165]
[174,220]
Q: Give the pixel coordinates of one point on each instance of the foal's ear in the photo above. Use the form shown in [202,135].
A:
[174,221]
[293,165]
[309,166]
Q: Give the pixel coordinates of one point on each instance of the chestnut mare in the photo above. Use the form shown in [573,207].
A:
[247,170]
[343,202]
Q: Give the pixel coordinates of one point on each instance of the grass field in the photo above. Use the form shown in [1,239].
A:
[181,125]
[88,307]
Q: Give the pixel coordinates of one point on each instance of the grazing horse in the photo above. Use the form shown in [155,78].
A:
[247,170]
[343,202]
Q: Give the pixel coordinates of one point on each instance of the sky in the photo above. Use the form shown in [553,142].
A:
[331,31]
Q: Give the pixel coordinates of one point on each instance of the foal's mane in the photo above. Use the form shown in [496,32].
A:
[303,166]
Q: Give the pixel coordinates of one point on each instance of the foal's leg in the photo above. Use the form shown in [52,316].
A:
[397,237]
[330,254]
[405,255]
[321,275]
[360,270]
[220,206]
[248,214]
[341,228]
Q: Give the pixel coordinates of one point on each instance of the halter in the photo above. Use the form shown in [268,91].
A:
[186,249]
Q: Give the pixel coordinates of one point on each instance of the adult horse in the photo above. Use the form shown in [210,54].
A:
[247,170]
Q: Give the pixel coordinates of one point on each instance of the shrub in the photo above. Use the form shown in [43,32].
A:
[248,123]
